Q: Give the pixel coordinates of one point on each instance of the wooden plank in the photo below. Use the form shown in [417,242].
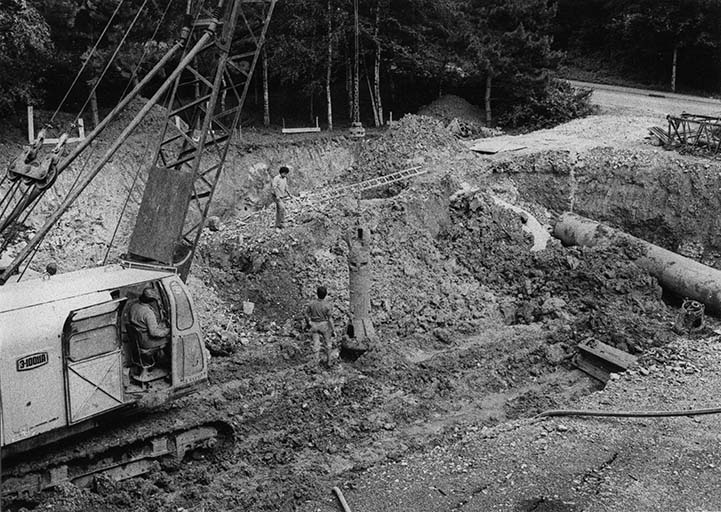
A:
[660,134]
[161,217]
[608,353]
[310,129]
[594,371]
[492,146]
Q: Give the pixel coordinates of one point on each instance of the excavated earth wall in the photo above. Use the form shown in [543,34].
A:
[659,196]
[474,327]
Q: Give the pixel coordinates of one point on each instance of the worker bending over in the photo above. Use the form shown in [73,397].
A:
[319,319]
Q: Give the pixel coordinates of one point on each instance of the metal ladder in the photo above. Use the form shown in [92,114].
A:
[357,188]
[313,200]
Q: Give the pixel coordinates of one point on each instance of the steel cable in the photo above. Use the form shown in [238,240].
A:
[92,51]
[110,61]
[134,73]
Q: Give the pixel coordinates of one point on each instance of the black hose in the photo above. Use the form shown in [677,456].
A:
[629,414]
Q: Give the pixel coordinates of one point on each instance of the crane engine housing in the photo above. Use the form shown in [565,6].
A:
[69,360]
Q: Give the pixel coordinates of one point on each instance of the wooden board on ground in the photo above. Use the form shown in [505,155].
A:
[608,353]
[660,134]
[310,129]
[491,146]
[600,360]
[593,370]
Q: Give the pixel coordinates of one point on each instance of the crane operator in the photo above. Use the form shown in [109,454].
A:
[142,316]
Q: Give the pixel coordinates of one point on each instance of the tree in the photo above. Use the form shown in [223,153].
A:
[510,43]
[641,40]
[25,46]
[297,46]
[76,28]
[652,27]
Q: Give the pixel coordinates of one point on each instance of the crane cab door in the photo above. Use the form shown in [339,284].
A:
[190,362]
[93,360]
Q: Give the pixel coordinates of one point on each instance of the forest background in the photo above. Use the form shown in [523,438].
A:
[504,55]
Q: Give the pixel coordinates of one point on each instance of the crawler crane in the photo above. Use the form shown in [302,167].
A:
[69,364]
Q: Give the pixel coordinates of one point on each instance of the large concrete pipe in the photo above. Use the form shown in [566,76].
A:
[681,275]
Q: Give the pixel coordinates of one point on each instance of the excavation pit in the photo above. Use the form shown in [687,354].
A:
[476,330]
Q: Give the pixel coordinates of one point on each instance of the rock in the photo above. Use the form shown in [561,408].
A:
[555,354]
[553,305]
[213,223]
[443,335]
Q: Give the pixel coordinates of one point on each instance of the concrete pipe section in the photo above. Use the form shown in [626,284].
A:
[680,275]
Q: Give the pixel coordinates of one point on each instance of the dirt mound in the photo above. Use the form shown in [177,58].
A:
[439,269]
[412,141]
[449,107]
[583,288]
[416,289]
[460,117]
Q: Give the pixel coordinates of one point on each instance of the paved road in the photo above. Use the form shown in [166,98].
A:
[657,102]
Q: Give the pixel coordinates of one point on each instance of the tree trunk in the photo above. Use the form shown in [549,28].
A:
[356,67]
[256,90]
[349,87]
[376,121]
[329,69]
[94,109]
[266,101]
[673,69]
[489,116]
[377,65]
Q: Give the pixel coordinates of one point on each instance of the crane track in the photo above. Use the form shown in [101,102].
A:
[122,451]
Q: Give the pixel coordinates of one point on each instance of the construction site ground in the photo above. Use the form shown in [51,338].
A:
[476,330]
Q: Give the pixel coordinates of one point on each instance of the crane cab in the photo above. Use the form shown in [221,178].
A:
[68,359]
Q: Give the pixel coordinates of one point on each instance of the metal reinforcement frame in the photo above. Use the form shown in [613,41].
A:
[694,131]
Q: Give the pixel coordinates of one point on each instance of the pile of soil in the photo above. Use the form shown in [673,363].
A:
[581,287]
[404,144]
[439,269]
[460,117]
[417,290]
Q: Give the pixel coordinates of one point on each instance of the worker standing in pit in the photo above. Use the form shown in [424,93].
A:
[142,316]
[280,194]
[319,319]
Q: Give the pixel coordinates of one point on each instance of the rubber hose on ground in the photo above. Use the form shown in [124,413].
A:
[628,414]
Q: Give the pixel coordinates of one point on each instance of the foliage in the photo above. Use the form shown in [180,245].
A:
[638,37]
[427,47]
[557,103]
[24,47]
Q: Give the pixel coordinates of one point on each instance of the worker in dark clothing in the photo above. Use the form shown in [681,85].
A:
[319,319]
[143,317]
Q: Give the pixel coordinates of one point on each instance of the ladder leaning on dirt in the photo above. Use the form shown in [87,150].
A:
[352,189]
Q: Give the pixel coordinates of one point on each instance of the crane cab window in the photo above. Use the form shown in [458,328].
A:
[93,331]
[184,319]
